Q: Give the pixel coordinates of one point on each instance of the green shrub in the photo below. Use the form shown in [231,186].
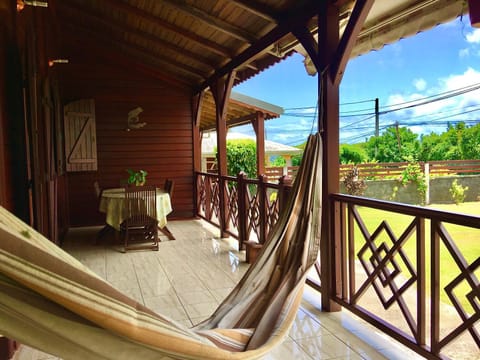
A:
[457,192]
[413,173]
[354,185]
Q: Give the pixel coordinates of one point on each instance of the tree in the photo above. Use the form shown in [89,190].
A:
[457,143]
[353,153]
[242,156]
[278,161]
[395,145]
[470,143]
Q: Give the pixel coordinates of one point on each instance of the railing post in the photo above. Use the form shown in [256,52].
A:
[242,209]
[262,205]
[208,197]
[222,206]
[426,171]
[285,187]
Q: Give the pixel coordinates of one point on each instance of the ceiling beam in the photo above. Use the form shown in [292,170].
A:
[77,12]
[299,16]
[112,55]
[142,54]
[349,37]
[211,21]
[189,35]
[257,9]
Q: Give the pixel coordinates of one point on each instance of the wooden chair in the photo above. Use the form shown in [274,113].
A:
[106,229]
[168,188]
[97,189]
[141,225]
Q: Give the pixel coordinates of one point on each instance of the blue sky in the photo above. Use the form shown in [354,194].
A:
[401,75]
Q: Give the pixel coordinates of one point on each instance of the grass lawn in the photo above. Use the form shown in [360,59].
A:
[466,239]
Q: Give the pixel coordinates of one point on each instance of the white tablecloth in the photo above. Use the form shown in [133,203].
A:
[112,204]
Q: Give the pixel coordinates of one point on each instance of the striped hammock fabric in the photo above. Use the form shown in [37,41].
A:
[50,301]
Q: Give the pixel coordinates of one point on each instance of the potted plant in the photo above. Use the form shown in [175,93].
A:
[137,178]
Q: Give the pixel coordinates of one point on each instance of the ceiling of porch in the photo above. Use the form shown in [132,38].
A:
[190,43]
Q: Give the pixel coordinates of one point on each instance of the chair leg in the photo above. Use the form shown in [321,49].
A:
[103,232]
[165,231]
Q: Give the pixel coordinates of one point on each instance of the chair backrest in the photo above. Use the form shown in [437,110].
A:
[168,187]
[140,204]
[97,189]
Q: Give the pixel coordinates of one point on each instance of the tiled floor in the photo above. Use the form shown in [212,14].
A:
[188,277]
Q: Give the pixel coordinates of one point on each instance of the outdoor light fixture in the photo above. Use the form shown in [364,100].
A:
[57,61]
[474,10]
[22,3]
[133,121]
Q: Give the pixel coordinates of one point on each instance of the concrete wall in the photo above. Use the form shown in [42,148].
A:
[439,193]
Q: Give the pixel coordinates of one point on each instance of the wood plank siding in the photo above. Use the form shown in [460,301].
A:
[163,147]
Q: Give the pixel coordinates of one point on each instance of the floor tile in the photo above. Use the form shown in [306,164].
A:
[189,277]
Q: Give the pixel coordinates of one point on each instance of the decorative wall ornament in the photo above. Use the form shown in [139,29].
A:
[133,121]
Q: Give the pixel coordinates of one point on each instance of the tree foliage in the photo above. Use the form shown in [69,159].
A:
[353,154]
[457,143]
[242,156]
[278,161]
[395,145]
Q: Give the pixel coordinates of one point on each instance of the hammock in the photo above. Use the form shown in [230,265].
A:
[50,301]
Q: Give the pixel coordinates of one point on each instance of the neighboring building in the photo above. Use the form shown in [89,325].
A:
[272,149]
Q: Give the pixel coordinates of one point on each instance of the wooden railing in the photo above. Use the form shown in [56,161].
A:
[245,209]
[389,170]
[389,274]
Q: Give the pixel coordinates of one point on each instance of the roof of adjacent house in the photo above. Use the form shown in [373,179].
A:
[209,143]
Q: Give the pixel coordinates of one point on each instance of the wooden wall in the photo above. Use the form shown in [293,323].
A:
[163,147]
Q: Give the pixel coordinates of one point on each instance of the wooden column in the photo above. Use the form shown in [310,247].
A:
[6,30]
[197,101]
[221,90]
[259,127]
[329,127]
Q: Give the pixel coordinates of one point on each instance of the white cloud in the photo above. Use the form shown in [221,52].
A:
[464,52]
[420,84]
[441,108]
[474,36]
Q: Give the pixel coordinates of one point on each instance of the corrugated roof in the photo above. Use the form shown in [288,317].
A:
[209,143]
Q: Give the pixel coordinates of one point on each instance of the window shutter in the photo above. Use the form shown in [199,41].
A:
[80,136]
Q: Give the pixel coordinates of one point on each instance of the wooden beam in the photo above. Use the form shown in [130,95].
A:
[81,16]
[328,40]
[211,21]
[197,104]
[259,127]
[298,16]
[136,50]
[189,35]
[221,90]
[349,37]
[309,44]
[257,9]
[114,55]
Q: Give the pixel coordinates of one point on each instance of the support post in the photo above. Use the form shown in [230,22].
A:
[221,93]
[259,127]
[328,125]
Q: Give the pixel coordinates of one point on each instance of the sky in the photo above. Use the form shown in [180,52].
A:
[424,82]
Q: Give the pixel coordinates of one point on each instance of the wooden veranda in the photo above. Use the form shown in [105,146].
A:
[72,71]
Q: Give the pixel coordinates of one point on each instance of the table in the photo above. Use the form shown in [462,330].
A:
[112,203]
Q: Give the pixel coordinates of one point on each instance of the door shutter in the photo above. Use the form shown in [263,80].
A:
[80,136]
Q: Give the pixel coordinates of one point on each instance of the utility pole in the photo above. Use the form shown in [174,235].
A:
[377,125]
